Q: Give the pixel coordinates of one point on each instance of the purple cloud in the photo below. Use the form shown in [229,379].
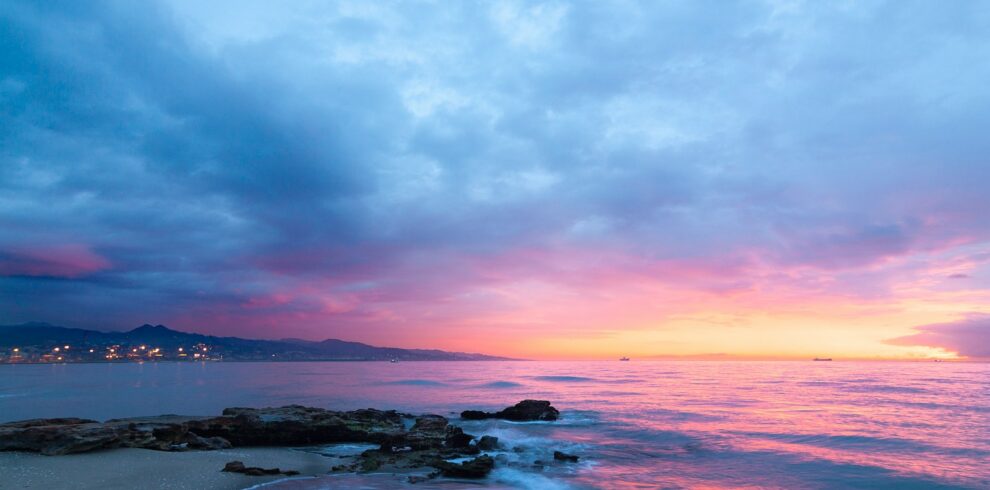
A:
[968,337]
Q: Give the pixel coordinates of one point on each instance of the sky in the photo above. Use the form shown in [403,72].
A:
[756,179]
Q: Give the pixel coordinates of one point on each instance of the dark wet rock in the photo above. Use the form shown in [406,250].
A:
[567,458]
[456,438]
[238,467]
[476,415]
[430,423]
[24,424]
[284,426]
[530,410]
[296,425]
[430,443]
[194,441]
[488,443]
[370,464]
[526,410]
[56,436]
[472,450]
[478,467]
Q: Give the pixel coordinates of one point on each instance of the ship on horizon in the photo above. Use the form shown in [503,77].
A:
[822,359]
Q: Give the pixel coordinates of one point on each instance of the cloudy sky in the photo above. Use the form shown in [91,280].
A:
[549,180]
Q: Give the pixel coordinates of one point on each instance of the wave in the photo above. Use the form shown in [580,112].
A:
[882,389]
[564,379]
[867,443]
[502,384]
[414,382]
[527,480]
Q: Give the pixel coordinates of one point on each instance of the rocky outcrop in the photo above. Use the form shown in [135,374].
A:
[296,425]
[564,457]
[478,467]
[285,426]
[431,443]
[488,443]
[57,436]
[238,467]
[524,411]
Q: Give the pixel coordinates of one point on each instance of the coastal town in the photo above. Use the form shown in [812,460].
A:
[64,353]
[35,343]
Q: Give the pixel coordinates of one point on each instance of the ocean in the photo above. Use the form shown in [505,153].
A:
[638,424]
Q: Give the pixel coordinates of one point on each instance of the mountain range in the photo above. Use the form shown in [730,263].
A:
[35,341]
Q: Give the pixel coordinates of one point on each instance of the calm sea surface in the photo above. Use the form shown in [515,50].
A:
[634,424]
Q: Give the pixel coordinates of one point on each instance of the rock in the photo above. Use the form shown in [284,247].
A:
[296,425]
[429,432]
[57,436]
[488,443]
[526,410]
[478,467]
[370,464]
[475,415]
[470,450]
[206,443]
[456,438]
[430,423]
[284,426]
[429,443]
[238,467]
[567,458]
[529,410]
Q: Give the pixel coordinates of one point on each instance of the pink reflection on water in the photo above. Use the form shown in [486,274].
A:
[664,424]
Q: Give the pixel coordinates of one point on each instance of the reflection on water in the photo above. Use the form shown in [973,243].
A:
[635,424]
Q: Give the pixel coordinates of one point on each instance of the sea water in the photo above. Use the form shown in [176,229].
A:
[663,424]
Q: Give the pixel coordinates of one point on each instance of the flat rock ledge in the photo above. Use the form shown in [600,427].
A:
[430,443]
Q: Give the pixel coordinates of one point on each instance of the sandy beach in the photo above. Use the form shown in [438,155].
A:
[142,468]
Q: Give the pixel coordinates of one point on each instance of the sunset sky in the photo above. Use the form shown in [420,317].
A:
[544,180]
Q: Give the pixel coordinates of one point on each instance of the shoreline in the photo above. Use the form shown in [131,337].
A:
[245,447]
[127,468]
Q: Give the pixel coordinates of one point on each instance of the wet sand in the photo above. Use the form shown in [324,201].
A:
[147,469]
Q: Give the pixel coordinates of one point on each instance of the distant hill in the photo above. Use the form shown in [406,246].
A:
[35,340]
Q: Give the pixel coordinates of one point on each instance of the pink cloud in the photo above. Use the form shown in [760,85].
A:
[68,261]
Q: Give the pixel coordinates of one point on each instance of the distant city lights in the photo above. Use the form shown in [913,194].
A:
[87,352]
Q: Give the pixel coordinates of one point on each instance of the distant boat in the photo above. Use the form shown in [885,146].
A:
[623,358]
[393,360]
[823,358]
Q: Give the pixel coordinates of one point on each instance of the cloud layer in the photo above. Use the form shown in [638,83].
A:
[969,337]
[432,174]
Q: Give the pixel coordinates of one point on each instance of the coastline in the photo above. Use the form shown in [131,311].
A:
[127,468]
[247,447]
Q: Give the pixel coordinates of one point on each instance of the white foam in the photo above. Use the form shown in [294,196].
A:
[527,480]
